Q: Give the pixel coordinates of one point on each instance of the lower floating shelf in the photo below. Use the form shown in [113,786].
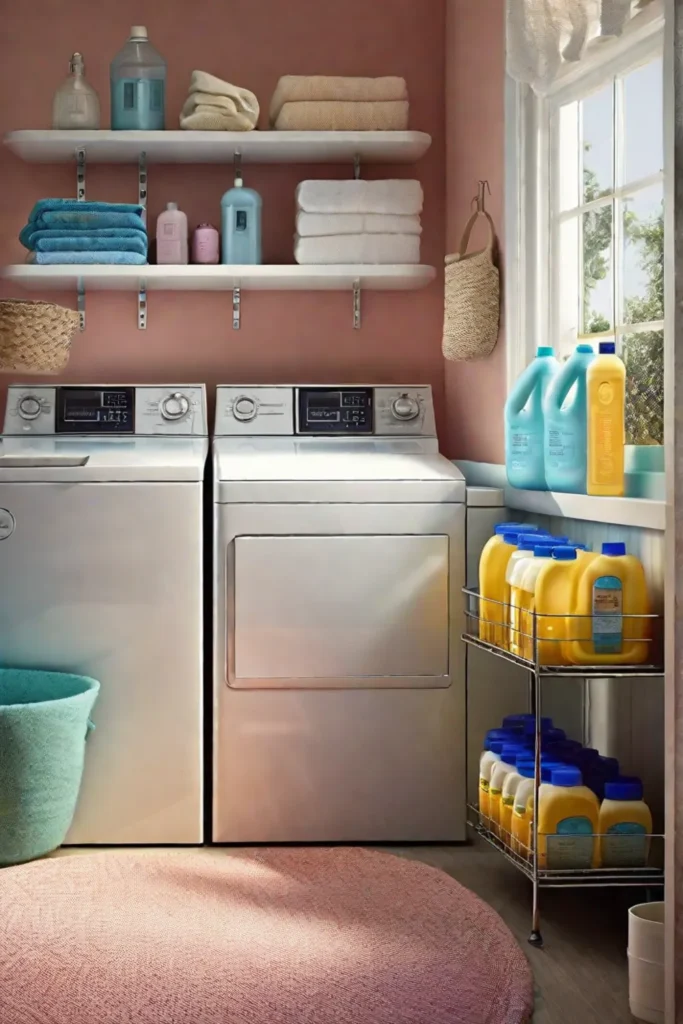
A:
[572,878]
[395,277]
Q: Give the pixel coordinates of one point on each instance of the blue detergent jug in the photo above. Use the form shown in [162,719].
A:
[524,422]
[565,432]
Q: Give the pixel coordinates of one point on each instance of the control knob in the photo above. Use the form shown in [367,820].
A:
[244,408]
[405,408]
[174,406]
[29,407]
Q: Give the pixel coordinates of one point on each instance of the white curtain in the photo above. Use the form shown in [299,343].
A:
[542,35]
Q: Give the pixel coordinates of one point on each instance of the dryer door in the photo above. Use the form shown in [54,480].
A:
[332,608]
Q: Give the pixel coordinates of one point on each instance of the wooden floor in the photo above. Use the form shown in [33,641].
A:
[581,973]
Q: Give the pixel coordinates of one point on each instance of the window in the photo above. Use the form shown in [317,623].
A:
[591,227]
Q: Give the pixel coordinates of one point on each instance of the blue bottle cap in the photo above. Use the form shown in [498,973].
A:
[609,766]
[511,537]
[589,755]
[607,348]
[624,789]
[614,549]
[528,541]
[558,539]
[543,551]
[504,735]
[567,776]
[526,770]
[586,349]
[512,749]
[564,554]
[496,746]
[530,725]
[545,350]
[554,735]
[579,547]
[548,768]
[508,527]
[524,756]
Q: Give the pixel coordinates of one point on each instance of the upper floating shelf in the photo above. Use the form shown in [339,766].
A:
[257,147]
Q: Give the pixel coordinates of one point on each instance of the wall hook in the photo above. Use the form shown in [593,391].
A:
[480,199]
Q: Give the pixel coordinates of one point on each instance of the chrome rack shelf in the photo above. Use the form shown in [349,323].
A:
[538,643]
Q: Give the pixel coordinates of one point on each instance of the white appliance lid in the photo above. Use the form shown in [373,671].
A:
[102,460]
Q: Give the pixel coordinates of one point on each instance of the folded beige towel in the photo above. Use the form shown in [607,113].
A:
[305,88]
[357,249]
[316,225]
[214,105]
[338,116]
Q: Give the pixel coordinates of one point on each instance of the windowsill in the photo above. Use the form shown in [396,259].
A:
[642,512]
[647,513]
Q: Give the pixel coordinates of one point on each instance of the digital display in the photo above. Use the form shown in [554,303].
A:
[335,411]
[85,411]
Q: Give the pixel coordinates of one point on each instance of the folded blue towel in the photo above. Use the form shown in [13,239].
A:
[67,205]
[77,221]
[134,258]
[86,243]
[58,233]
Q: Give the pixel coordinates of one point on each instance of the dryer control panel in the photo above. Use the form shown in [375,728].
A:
[324,410]
[95,409]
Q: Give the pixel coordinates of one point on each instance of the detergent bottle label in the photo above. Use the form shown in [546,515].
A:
[522,446]
[625,845]
[572,846]
[608,622]
[561,446]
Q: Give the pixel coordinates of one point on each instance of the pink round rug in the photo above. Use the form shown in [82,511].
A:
[276,936]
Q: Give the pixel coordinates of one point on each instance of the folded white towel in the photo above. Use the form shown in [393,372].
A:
[307,88]
[315,225]
[358,249]
[214,105]
[399,196]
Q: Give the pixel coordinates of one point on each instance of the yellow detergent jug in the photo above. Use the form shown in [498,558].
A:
[511,784]
[513,575]
[492,566]
[487,762]
[555,596]
[606,386]
[568,815]
[527,597]
[610,587]
[519,820]
[625,825]
[507,764]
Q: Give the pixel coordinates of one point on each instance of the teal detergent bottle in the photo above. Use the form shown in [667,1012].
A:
[565,425]
[524,420]
[241,223]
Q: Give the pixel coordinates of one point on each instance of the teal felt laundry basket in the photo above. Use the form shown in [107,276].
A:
[44,720]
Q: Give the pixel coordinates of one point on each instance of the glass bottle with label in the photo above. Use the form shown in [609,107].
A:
[76,104]
[138,85]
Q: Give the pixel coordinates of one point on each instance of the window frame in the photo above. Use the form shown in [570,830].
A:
[531,162]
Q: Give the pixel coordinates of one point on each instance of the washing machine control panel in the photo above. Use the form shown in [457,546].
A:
[335,411]
[324,410]
[93,409]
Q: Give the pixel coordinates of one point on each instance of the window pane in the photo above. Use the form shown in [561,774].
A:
[643,255]
[568,157]
[643,355]
[598,288]
[597,124]
[567,285]
[643,147]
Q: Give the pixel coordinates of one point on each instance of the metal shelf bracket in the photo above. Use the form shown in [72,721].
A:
[80,175]
[356,306]
[142,307]
[236,308]
[142,185]
[356,166]
[81,304]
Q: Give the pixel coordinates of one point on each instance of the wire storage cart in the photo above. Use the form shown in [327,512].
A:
[531,643]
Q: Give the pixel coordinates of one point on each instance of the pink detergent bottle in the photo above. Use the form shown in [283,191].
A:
[205,245]
[172,236]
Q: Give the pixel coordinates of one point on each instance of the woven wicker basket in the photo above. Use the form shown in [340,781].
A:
[472,299]
[35,337]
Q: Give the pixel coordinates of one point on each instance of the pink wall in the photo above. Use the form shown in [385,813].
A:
[285,336]
[475,119]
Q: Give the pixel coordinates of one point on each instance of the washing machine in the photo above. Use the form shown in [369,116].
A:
[339,673]
[101,562]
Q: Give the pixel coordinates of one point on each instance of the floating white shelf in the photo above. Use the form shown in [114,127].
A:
[257,147]
[342,277]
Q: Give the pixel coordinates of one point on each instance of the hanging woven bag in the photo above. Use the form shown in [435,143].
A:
[472,298]
[35,337]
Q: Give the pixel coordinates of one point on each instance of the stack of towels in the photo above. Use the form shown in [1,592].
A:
[358,222]
[216,106]
[321,103]
[66,231]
